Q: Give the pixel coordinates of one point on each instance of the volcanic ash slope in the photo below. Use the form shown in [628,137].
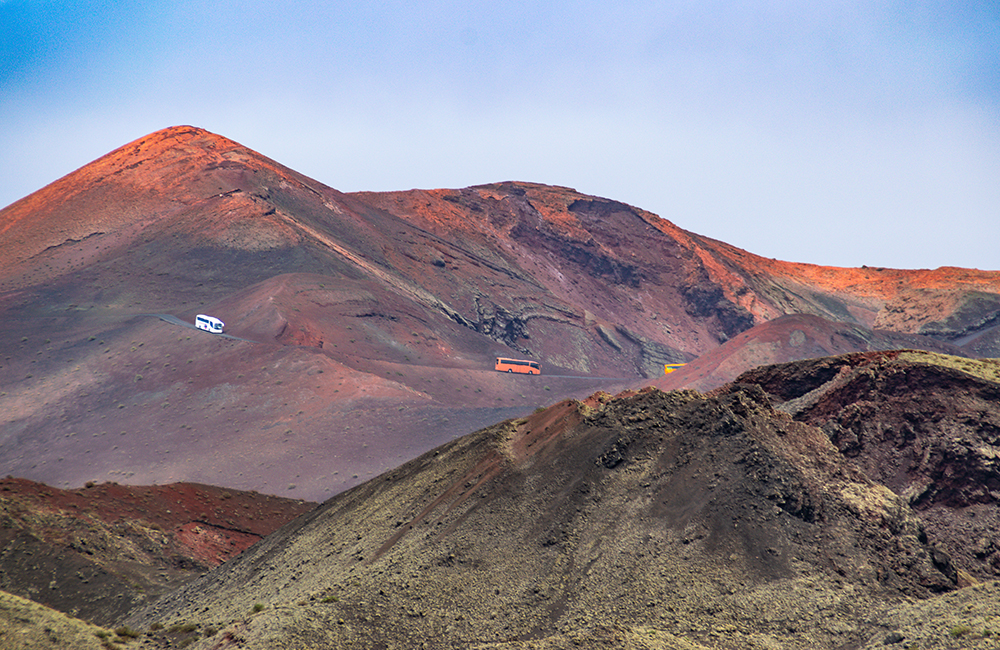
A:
[676,518]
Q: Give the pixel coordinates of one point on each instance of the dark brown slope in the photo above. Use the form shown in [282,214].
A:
[99,551]
[926,426]
[370,320]
[689,291]
[674,516]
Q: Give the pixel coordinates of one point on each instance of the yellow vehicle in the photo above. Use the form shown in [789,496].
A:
[672,367]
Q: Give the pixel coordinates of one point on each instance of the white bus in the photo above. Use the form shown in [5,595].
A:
[209,323]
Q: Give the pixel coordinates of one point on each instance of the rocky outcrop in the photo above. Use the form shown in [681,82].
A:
[926,426]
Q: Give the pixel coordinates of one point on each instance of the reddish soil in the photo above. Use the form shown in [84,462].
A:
[790,338]
[99,550]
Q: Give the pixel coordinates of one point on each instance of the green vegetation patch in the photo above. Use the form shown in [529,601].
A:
[988,369]
[37,627]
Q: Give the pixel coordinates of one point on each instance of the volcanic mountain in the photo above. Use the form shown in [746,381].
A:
[821,503]
[654,520]
[361,328]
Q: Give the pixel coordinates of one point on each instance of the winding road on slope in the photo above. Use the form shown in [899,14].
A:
[169,318]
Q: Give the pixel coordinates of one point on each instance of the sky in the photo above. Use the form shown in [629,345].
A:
[837,133]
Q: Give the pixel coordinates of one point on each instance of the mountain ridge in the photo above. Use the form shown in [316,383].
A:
[374,317]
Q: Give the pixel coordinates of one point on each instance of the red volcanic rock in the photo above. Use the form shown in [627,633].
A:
[157,177]
[628,246]
[110,546]
[922,424]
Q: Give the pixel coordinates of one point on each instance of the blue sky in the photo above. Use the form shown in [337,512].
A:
[837,133]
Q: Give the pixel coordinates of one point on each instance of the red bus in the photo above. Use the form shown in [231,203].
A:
[516,365]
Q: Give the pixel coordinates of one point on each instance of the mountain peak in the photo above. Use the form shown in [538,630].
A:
[172,140]
[155,176]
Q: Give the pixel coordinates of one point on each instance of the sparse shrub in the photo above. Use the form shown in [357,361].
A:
[182,628]
[156,626]
[960,630]
[126,632]
[258,607]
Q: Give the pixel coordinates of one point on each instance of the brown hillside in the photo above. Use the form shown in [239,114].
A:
[619,245]
[685,519]
[924,425]
[27,625]
[99,551]
[786,339]
[365,325]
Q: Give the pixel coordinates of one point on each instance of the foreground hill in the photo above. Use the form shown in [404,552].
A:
[364,326]
[651,519]
[27,625]
[99,551]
